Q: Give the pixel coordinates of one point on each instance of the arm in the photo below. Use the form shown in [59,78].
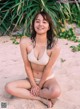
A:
[24,44]
[47,70]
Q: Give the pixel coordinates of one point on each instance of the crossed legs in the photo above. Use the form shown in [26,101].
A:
[20,88]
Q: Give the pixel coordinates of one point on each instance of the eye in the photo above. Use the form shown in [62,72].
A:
[44,21]
[37,21]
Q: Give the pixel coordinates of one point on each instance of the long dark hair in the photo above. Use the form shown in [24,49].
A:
[51,39]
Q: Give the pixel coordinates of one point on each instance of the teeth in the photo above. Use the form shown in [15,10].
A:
[40,28]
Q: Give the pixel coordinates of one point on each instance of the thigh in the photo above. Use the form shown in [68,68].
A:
[25,83]
[51,83]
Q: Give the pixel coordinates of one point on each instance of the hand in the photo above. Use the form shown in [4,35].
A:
[35,90]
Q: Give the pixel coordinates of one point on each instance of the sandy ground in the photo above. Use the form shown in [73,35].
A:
[11,68]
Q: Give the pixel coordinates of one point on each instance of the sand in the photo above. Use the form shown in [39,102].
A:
[68,76]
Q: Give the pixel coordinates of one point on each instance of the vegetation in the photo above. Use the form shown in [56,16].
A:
[16,14]
[75,13]
[75,48]
[14,40]
[68,34]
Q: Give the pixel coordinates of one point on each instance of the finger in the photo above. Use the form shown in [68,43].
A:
[33,92]
[37,92]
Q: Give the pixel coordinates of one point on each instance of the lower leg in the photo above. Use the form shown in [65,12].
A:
[49,93]
[45,93]
[21,92]
[25,94]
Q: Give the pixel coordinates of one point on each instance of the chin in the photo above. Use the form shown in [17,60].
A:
[40,33]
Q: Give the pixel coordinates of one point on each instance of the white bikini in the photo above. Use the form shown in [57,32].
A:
[42,61]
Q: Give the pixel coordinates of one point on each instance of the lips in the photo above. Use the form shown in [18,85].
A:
[40,28]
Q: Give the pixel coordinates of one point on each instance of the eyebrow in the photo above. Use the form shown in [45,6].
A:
[37,19]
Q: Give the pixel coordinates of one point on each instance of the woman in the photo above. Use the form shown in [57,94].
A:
[39,54]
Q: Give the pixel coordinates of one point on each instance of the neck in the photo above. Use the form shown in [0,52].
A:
[41,39]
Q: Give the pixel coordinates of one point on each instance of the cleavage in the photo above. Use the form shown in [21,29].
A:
[39,52]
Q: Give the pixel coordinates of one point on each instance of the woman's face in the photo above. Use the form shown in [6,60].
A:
[41,26]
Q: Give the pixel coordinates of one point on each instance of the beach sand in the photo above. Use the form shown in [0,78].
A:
[68,76]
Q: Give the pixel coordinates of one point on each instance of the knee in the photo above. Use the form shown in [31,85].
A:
[55,93]
[9,88]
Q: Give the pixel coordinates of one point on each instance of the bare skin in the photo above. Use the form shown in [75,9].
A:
[22,88]
[29,89]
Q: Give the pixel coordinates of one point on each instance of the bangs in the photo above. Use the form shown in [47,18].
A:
[44,17]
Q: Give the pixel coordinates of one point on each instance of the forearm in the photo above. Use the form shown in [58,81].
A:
[30,75]
[44,77]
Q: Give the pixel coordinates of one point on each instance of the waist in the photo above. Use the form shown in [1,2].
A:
[37,80]
[37,74]
[37,68]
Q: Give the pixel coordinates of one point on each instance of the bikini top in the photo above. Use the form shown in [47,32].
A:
[42,61]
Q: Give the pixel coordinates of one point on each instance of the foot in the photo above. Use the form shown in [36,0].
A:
[54,101]
[50,104]
[47,102]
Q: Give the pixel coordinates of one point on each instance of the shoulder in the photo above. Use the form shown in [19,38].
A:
[25,41]
[56,48]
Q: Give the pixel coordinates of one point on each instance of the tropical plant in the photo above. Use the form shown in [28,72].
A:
[68,34]
[19,13]
[75,14]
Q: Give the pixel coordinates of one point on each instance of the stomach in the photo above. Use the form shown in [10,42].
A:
[37,70]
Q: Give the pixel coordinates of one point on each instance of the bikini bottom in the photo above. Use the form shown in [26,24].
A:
[37,80]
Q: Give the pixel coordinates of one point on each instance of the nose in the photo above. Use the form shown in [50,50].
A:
[41,23]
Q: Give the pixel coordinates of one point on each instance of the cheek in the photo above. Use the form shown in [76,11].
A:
[47,27]
[35,25]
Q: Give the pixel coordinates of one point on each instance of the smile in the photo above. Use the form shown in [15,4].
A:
[40,28]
